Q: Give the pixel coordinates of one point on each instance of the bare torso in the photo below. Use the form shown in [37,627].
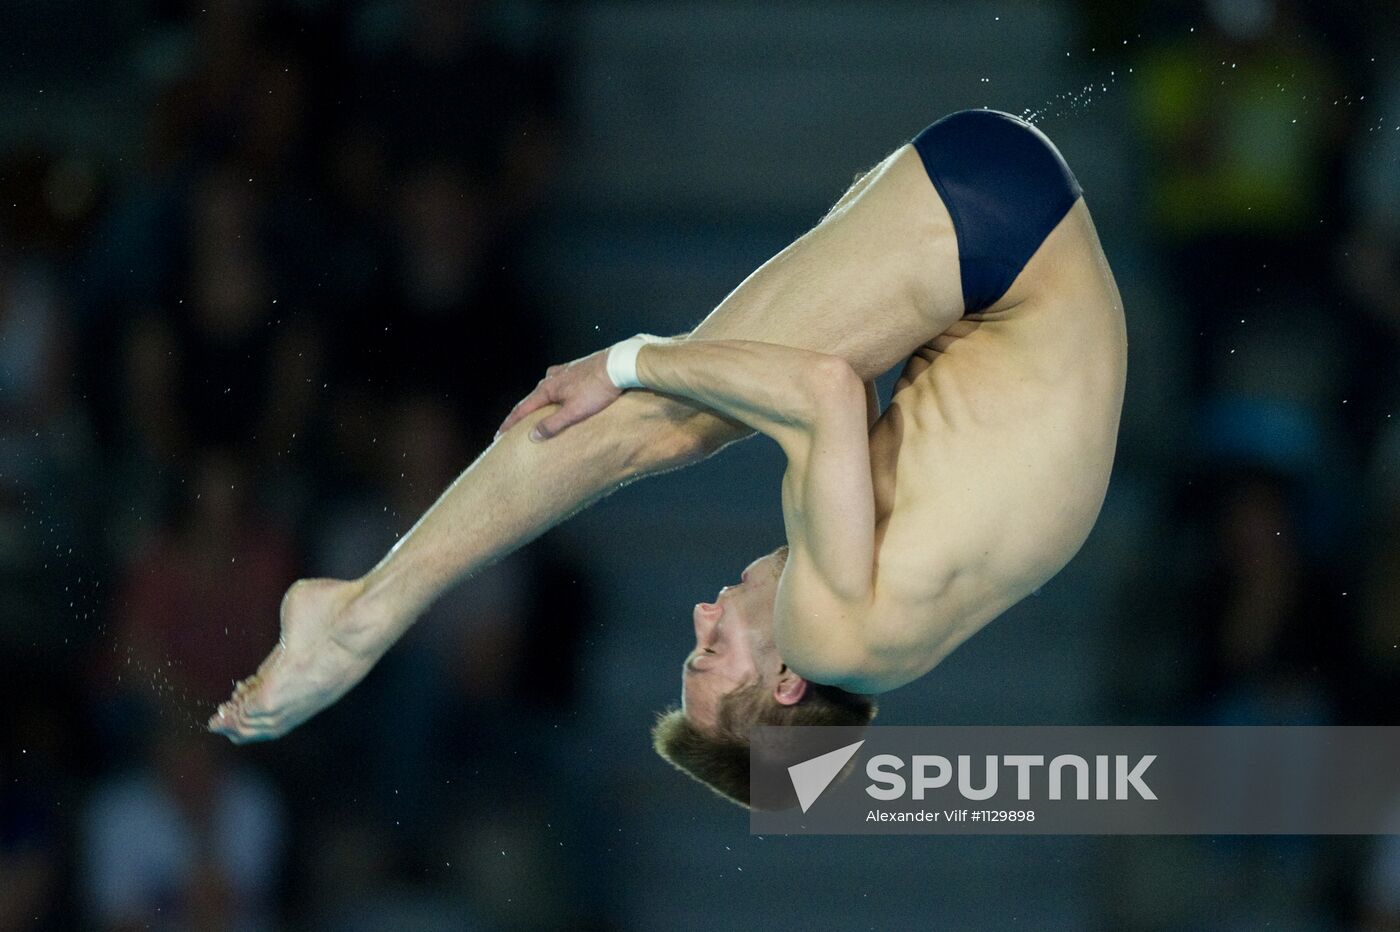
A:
[992,461]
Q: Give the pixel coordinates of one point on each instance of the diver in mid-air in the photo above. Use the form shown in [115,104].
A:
[970,256]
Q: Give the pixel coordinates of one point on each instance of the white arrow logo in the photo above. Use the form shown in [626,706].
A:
[811,777]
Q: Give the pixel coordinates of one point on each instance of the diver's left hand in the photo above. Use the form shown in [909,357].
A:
[581,389]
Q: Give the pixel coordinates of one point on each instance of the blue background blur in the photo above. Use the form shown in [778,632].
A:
[271,273]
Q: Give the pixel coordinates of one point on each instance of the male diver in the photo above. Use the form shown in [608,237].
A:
[968,254]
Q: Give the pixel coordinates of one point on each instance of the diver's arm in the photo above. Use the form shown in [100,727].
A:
[815,407]
[776,390]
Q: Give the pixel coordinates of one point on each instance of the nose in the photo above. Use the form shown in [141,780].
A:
[705,616]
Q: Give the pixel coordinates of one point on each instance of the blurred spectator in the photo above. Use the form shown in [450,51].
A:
[1273,623]
[198,606]
[186,841]
[1368,257]
[1378,659]
[31,845]
[500,123]
[1380,885]
[46,500]
[1371,255]
[1247,627]
[32,397]
[250,372]
[1242,136]
[296,261]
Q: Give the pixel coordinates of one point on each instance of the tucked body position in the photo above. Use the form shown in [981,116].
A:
[967,255]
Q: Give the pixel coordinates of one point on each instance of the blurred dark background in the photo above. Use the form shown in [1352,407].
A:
[271,272]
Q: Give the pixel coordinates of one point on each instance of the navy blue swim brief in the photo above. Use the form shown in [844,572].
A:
[1006,187]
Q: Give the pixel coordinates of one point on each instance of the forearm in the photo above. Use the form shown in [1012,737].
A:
[774,389]
[518,489]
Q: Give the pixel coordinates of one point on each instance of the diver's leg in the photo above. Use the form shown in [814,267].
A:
[875,279]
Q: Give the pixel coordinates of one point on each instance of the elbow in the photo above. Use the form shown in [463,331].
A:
[835,373]
[833,389]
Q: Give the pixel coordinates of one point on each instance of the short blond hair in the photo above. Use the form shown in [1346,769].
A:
[719,757]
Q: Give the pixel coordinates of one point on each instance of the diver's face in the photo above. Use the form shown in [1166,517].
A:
[733,640]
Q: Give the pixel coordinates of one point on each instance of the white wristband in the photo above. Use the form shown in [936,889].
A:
[622,360]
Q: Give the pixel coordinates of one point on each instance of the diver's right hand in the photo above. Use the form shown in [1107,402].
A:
[327,645]
[581,389]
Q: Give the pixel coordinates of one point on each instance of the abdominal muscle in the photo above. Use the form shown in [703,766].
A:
[991,463]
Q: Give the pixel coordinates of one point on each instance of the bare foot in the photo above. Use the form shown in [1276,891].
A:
[323,651]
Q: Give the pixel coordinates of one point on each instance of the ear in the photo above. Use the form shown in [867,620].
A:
[791,687]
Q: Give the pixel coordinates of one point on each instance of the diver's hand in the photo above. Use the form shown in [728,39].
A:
[326,647]
[581,389]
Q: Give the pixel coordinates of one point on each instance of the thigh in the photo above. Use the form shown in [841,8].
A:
[876,279]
